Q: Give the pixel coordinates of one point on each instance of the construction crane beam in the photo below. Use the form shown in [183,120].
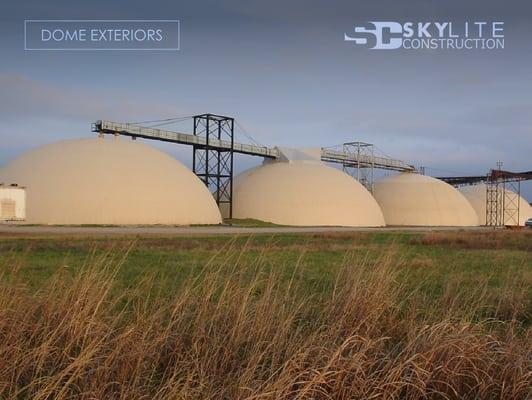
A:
[327,155]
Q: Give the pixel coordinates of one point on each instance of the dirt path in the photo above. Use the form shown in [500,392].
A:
[7,230]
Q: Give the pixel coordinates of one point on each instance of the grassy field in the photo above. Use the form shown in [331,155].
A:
[313,316]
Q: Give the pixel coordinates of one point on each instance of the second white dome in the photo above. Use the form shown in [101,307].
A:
[304,193]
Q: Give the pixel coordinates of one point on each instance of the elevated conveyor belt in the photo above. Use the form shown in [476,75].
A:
[327,155]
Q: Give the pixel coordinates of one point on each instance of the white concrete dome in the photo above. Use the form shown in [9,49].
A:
[109,181]
[476,195]
[418,200]
[304,193]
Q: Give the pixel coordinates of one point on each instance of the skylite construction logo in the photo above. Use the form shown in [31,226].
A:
[388,35]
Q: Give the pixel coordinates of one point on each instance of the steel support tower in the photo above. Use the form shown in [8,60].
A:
[495,198]
[512,199]
[361,172]
[494,202]
[214,165]
[503,194]
[503,199]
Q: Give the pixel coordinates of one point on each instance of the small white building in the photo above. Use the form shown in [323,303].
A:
[12,203]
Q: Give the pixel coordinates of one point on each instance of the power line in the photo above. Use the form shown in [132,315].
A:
[336,146]
[168,121]
[176,119]
[246,134]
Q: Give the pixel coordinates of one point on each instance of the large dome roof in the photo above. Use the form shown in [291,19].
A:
[476,195]
[109,181]
[304,193]
[418,200]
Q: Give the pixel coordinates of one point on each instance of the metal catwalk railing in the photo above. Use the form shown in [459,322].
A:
[133,130]
[118,128]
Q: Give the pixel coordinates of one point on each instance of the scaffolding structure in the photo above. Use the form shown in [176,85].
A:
[503,194]
[214,165]
[495,199]
[362,172]
[512,200]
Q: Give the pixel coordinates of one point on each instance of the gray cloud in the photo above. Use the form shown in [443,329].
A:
[26,98]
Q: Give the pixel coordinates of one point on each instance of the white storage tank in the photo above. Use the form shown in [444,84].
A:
[12,202]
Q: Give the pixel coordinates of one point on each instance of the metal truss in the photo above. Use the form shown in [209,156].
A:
[214,165]
[511,202]
[494,202]
[503,195]
[361,172]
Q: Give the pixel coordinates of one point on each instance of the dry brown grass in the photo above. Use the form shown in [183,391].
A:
[490,239]
[240,331]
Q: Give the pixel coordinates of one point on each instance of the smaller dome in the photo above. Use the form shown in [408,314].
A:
[304,193]
[419,200]
[476,195]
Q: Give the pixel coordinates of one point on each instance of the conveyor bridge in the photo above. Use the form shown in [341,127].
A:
[214,146]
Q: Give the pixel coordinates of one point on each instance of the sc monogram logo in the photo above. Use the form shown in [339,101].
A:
[383,35]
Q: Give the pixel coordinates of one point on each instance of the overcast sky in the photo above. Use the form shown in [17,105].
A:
[283,70]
